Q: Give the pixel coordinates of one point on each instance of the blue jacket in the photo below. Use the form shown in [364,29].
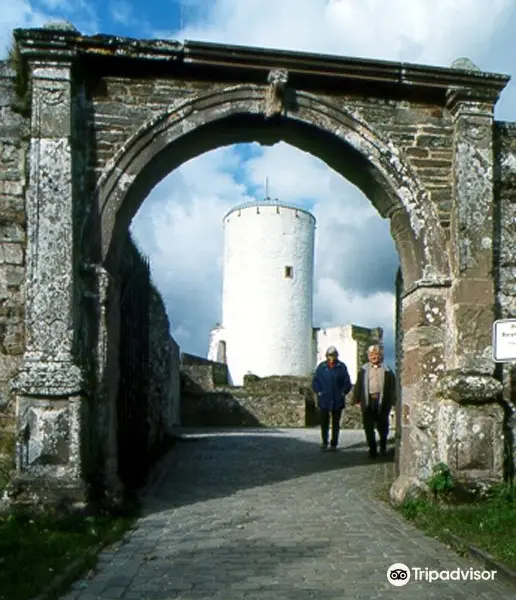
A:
[331,385]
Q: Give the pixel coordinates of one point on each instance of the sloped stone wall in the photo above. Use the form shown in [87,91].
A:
[13,149]
[150,395]
[164,387]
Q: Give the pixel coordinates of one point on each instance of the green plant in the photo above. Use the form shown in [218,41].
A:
[412,508]
[21,78]
[441,482]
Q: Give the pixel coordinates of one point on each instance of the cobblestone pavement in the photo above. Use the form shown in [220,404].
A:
[264,515]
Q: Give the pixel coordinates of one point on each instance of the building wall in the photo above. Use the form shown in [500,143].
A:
[13,149]
[267,315]
[350,340]
[505,259]
[217,338]
[342,338]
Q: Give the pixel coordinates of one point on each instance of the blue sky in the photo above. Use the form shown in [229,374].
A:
[179,224]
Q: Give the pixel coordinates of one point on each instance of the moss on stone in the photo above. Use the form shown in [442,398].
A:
[7,448]
[21,79]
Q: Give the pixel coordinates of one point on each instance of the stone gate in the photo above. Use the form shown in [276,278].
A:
[101,120]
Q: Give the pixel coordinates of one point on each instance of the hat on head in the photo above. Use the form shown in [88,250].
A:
[332,351]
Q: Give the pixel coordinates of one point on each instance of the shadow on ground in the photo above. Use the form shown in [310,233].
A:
[246,569]
[207,464]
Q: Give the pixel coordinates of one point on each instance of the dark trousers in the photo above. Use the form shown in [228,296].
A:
[334,416]
[374,417]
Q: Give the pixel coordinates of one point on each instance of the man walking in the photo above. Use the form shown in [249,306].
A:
[331,382]
[375,391]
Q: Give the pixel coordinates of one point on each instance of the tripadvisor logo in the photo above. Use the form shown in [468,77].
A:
[399,574]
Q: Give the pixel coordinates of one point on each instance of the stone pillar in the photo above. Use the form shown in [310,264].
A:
[107,380]
[423,324]
[49,386]
[470,423]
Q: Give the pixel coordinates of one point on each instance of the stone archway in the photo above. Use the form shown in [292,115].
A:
[237,115]
[449,394]
[206,122]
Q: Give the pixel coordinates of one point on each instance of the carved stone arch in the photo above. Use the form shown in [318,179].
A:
[360,154]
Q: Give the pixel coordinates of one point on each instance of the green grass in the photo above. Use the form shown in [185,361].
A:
[35,549]
[489,524]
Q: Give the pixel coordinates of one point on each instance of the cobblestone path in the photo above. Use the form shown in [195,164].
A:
[264,515]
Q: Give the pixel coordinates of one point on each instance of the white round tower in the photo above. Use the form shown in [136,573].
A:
[268,290]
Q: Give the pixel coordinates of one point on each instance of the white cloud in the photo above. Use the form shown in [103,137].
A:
[435,31]
[180,227]
[355,257]
[18,13]
[24,13]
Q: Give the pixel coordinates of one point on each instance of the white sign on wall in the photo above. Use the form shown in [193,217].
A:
[504,340]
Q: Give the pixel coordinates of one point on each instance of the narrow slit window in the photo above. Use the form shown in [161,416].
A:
[289,272]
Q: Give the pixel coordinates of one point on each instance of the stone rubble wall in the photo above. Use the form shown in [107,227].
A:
[505,257]
[13,151]
[206,374]
[163,385]
[278,401]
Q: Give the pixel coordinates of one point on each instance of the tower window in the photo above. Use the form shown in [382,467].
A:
[289,272]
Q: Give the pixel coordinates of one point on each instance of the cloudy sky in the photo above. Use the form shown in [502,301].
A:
[179,224]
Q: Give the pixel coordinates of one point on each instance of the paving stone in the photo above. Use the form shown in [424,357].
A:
[262,515]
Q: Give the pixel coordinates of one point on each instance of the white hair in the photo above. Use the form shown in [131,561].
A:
[378,347]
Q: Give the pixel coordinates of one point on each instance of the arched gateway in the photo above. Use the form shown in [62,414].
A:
[110,117]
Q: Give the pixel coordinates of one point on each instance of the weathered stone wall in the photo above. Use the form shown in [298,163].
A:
[425,132]
[260,402]
[164,377]
[201,373]
[238,409]
[13,152]
[505,261]
[153,391]
[267,402]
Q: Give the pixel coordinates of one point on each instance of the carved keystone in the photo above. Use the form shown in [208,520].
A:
[468,388]
[275,94]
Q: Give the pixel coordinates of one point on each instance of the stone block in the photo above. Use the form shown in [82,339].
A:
[422,414]
[424,335]
[470,439]
[422,364]
[14,275]
[9,364]
[468,388]
[48,434]
[45,433]
[425,310]
[12,339]
[12,232]
[52,108]
[11,188]
[473,291]
[418,452]
[11,254]
[9,153]
[434,141]
[473,326]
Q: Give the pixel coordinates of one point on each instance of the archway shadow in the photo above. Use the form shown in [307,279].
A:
[211,463]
